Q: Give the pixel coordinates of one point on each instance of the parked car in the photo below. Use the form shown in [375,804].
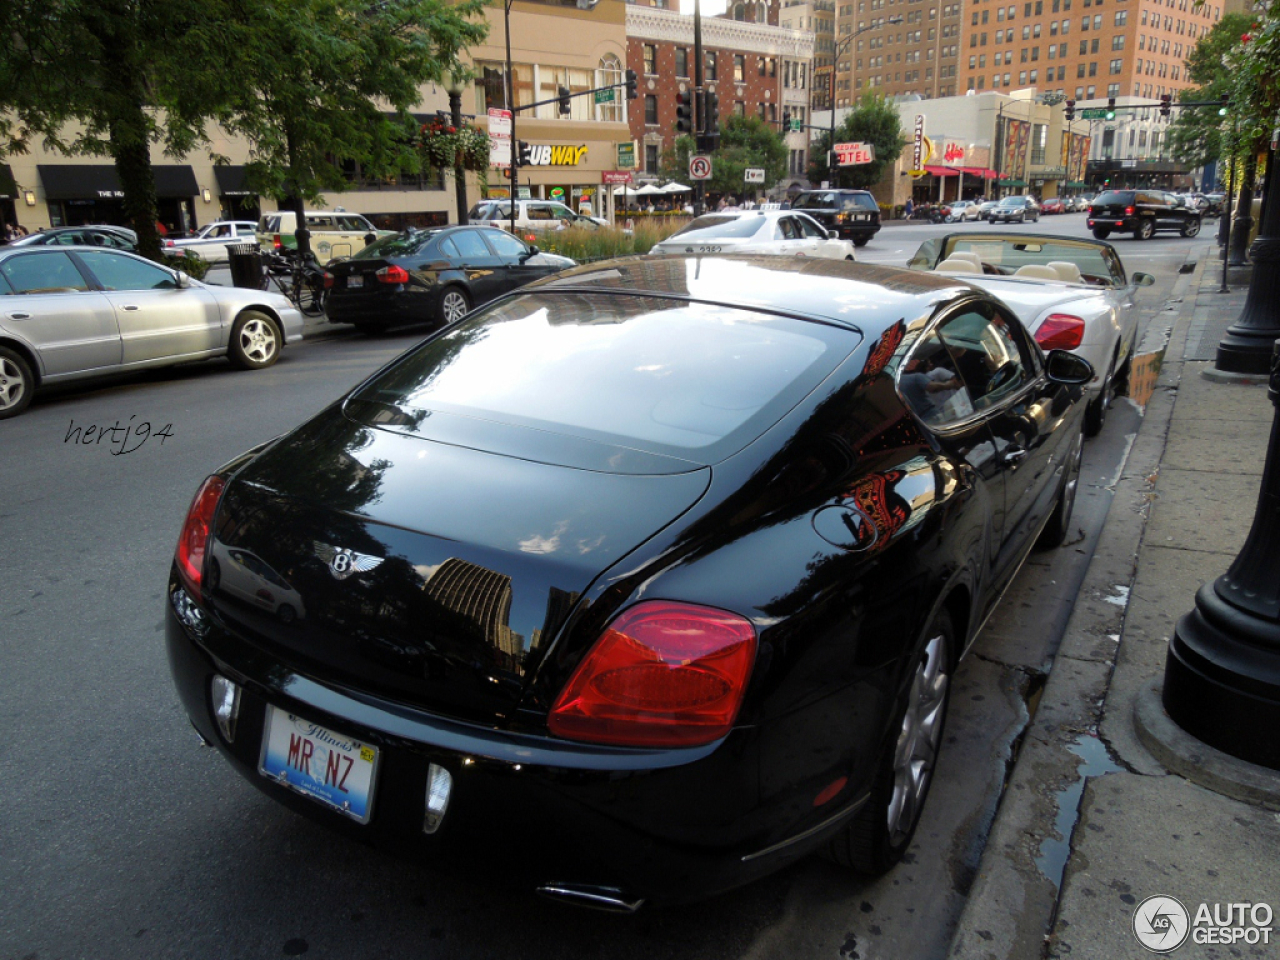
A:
[581,570]
[1142,213]
[334,234]
[1017,209]
[1053,205]
[1213,204]
[786,232]
[1078,204]
[963,210]
[853,214]
[985,208]
[1070,294]
[210,242]
[112,238]
[76,313]
[431,276]
[532,216]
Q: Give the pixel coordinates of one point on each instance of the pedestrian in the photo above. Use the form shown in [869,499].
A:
[162,229]
[911,208]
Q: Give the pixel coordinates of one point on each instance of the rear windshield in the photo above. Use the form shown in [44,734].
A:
[828,199]
[404,244]
[717,226]
[689,380]
[1113,197]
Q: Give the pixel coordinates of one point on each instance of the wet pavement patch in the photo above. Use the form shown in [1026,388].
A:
[1095,761]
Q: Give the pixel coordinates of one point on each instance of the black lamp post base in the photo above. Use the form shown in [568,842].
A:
[1222,679]
[1249,341]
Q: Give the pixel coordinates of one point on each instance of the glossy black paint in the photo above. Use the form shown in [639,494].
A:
[482,262]
[935,519]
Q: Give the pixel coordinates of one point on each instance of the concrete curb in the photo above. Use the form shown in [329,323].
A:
[1011,907]
[1198,762]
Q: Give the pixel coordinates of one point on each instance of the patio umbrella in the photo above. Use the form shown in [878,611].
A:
[676,188]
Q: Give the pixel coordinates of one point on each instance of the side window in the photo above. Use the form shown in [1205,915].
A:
[320,223]
[125,273]
[561,212]
[539,212]
[810,228]
[54,273]
[931,386]
[353,225]
[986,353]
[470,246]
[788,228]
[508,247]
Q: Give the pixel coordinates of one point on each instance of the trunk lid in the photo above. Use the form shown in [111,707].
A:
[419,570]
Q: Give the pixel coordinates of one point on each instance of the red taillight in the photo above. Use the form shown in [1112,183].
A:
[1128,211]
[194,540]
[328,280]
[393,274]
[663,674]
[276,242]
[1060,331]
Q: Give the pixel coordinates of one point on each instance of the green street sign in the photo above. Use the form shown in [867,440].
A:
[795,126]
[604,96]
[626,156]
[1094,113]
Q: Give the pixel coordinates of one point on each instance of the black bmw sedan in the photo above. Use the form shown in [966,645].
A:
[639,583]
[431,276]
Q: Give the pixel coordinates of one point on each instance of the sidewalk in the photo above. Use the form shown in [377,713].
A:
[1109,803]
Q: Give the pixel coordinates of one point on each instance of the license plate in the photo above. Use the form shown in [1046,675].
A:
[862,216]
[355,280]
[313,760]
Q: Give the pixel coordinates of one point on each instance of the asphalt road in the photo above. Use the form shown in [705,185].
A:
[122,838]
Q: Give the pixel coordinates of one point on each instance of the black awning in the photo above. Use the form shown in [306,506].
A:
[8,185]
[231,182]
[99,180]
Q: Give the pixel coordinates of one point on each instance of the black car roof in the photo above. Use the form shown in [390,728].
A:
[864,297]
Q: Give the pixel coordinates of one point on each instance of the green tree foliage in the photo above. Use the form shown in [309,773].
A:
[1255,70]
[312,84]
[1195,133]
[744,142]
[875,121]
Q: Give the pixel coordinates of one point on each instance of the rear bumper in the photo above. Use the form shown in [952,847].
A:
[525,810]
[382,308]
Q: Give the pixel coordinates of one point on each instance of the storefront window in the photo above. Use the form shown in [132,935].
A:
[490,85]
[551,79]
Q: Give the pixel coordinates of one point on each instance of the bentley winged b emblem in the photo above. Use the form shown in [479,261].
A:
[342,562]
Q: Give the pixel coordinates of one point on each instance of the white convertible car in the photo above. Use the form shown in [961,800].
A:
[785,232]
[1071,294]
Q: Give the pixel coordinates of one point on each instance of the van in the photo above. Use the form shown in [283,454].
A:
[334,234]
[534,216]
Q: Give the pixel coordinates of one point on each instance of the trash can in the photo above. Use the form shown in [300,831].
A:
[245,260]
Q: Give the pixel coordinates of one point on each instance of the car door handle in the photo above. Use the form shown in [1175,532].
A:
[19,315]
[1013,455]
[129,306]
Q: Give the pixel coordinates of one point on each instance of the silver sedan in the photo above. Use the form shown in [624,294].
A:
[75,313]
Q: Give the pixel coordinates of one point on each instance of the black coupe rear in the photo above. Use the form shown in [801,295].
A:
[638,584]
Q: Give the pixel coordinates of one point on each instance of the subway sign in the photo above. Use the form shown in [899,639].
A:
[547,155]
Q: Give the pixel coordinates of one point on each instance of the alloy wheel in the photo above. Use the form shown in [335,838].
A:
[920,737]
[453,306]
[13,385]
[258,341]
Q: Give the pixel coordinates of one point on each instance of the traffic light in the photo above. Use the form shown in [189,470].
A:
[566,104]
[1111,108]
[711,115]
[786,120]
[1166,104]
[1222,110]
[1071,110]
[522,154]
[631,85]
[684,112]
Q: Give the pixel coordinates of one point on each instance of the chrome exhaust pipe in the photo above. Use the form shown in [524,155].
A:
[608,899]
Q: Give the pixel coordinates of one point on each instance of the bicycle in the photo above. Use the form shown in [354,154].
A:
[302,281]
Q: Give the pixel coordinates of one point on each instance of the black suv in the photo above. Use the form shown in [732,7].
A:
[853,214]
[1142,213]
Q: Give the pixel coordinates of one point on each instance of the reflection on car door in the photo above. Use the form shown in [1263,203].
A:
[486,276]
[72,327]
[514,257]
[157,320]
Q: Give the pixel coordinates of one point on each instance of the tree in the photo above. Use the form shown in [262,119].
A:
[107,78]
[315,83]
[1195,134]
[875,121]
[744,142]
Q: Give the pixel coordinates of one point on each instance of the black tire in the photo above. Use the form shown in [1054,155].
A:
[1101,233]
[861,242]
[1055,531]
[17,383]
[453,305]
[255,341]
[1191,227]
[881,831]
[1145,229]
[1095,414]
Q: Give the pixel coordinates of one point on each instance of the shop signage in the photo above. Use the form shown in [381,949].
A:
[917,152]
[753,175]
[850,154]
[954,153]
[1050,173]
[615,176]
[626,156]
[546,155]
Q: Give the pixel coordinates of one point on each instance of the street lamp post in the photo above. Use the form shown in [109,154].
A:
[454,84]
[835,57]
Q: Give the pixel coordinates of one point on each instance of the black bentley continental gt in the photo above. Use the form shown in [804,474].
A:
[637,584]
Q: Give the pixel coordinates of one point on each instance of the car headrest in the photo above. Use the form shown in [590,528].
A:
[1036,271]
[1066,271]
[966,255]
[952,265]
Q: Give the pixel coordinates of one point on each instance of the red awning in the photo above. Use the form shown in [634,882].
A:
[986,173]
[942,171]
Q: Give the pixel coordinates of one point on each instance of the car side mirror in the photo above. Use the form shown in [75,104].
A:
[1143,279]
[183,281]
[1067,368]
[833,235]
[533,250]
